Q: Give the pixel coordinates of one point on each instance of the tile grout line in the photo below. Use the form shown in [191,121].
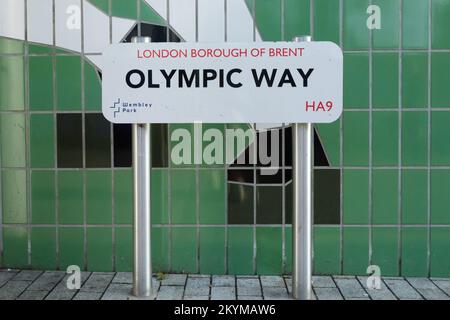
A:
[399,141]
[341,154]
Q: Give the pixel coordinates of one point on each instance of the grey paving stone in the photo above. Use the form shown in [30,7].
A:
[272,281]
[196,298]
[27,275]
[275,293]
[323,282]
[62,285]
[123,277]
[250,298]
[47,281]
[223,281]
[61,294]
[33,295]
[288,282]
[6,275]
[85,295]
[97,282]
[248,286]
[444,285]
[197,286]
[223,293]
[118,291]
[174,280]
[427,289]
[170,293]
[402,289]
[350,288]
[328,294]
[12,289]
[377,294]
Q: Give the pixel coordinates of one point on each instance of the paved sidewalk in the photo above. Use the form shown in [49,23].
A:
[51,285]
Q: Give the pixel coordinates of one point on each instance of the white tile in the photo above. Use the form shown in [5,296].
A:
[95,30]
[160,6]
[182,18]
[239,22]
[120,28]
[12,19]
[211,20]
[40,21]
[68,24]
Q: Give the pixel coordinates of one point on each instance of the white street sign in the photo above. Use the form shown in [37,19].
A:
[261,82]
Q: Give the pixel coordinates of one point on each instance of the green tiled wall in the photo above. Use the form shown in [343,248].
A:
[390,148]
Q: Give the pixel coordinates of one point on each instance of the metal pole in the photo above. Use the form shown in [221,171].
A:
[142,270]
[302,149]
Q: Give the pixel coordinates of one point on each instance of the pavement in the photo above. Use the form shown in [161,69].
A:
[52,285]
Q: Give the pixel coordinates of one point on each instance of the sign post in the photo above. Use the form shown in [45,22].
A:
[142,269]
[302,152]
[298,82]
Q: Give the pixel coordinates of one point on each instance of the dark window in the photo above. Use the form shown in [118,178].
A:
[98,141]
[240,175]
[69,141]
[326,196]
[240,204]
[122,145]
[269,205]
[159,138]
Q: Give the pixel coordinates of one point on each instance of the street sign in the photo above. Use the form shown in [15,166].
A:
[261,82]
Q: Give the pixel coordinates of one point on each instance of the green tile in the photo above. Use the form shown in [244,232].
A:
[356,138]
[268,19]
[414,138]
[385,250]
[326,20]
[43,197]
[101,4]
[70,197]
[356,33]
[99,249]
[12,140]
[160,196]
[385,196]
[184,250]
[385,138]
[356,250]
[356,196]
[125,9]
[42,141]
[123,196]
[15,247]
[414,252]
[240,250]
[124,249]
[268,250]
[71,247]
[356,80]
[148,14]
[68,82]
[440,259]
[43,248]
[14,196]
[92,88]
[10,46]
[415,24]
[98,197]
[34,48]
[212,196]
[330,138]
[287,249]
[385,80]
[212,250]
[41,83]
[440,200]
[440,78]
[414,196]
[387,37]
[327,250]
[440,133]
[183,196]
[414,80]
[181,144]
[440,24]
[12,83]
[160,249]
[296,18]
